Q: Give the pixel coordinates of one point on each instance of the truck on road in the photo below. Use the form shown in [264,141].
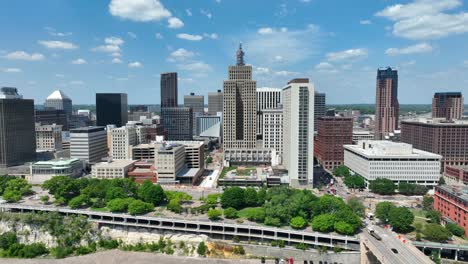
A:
[373,233]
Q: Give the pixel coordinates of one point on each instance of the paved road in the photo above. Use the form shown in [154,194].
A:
[382,249]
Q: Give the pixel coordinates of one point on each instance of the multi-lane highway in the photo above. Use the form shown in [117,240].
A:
[392,250]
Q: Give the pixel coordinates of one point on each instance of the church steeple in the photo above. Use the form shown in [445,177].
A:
[240,56]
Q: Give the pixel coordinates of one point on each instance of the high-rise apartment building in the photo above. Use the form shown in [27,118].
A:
[386,105]
[111,109]
[319,108]
[17,128]
[215,102]
[446,138]
[447,105]
[88,144]
[178,122]
[197,103]
[273,133]
[240,107]
[122,139]
[332,134]
[298,131]
[48,137]
[169,89]
[59,101]
[267,98]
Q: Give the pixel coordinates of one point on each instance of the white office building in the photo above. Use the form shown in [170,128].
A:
[88,144]
[298,132]
[267,98]
[273,133]
[399,162]
[112,170]
[121,140]
[48,137]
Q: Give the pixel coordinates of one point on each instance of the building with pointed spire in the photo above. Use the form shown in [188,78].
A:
[58,100]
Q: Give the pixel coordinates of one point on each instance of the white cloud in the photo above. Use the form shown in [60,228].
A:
[365,22]
[180,55]
[426,19]
[189,37]
[139,10]
[418,48]
[135,64]
[269,30]
[116,61]
[22,55]
[188,11]
[132,35]
[54,32]
[206,13]
[159,36]
[116,54]
[211,36]
[79,61]
[262,70]
[285,73]
[114,41]
[347,55]
[55,44]
[11,70]
[174,22]
[278,58]
[76,82]
[196,67]
[324,66]
[107,48]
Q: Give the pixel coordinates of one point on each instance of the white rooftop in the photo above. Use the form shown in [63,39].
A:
[384,148]
[115,164]
[268,89]
[57,95]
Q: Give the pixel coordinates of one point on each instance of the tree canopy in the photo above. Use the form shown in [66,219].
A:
[382,186]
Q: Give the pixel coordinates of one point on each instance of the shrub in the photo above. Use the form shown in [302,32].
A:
[119,204]
[214,214]
[230,213]
[272,221]
[138,207]
[202,249]
[7,239]
[298,222]
[79,202]
[174,206]
[233,197]
[301,246]
[61,252]
[108,243]
[253,214]
[436,233]
[324,223]
[455,229]
[239,250]
[344,228]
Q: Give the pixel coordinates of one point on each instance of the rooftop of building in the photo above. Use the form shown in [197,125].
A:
[268,89]
[9,93]
[437,122]
[384,148]
[58,95]
[88,129]
[335,118]
[57,162]
[460,191]
[299,80]
[455,94]
[115,164]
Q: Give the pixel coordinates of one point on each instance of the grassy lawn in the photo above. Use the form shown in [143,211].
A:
[418,212]
[226,170]
[105,209]
[246,212]
[246,171]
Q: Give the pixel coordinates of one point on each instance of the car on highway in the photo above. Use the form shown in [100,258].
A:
[394,250]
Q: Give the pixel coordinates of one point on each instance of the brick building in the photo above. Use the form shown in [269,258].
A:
[452,203]
[456,174]
[332,134]
[447,105]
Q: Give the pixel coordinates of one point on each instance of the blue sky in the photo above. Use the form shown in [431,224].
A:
[84,47]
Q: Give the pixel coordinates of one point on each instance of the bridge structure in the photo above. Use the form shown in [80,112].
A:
[447,251]
[212,229]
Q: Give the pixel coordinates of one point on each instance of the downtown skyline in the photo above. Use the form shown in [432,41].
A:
[122,46]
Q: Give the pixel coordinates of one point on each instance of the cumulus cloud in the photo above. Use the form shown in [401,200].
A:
[22,55]
[174,22]
[418,48]
[269,30]
[135,64]
[55,44]
[426,19]
[114,41]
[180,55]
[350,54]
[79,61]
[189,37]
[116,61]
[112,45]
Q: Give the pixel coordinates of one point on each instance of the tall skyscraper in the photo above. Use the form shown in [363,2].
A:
[17,128]
[215,102]
[169,89]
[52,116]
[239,106]
[387,107]
[59,101]
[298,131]
[267,98]
[111,109]
[197,103]
[319,108]
[178,121]
[447,105]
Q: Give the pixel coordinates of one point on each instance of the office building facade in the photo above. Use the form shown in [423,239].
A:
[332,134]
[205,123]
[17,128]
[267,98]
[447,105]
[88,144]
[42,171]
[215,102]
[111,109]
[197,103]
[298,131]
[387,107]
[273,133]
[122,139]
[452,203]
[117,169]
[319,107]
[169,88]
[178,122]
[58,100]
[52,116]
[48,137]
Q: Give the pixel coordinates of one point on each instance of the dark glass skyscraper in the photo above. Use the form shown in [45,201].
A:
[111,109]
[169,89]
[387,107]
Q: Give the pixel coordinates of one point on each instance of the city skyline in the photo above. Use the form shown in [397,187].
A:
[123,46]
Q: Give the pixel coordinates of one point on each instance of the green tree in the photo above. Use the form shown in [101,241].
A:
[151,193]
[341,171]
[138,207]
[7,239]
[3,181]
[233,197]
[382,211]
[174,206]
[261,196]
[344,228]
[15,189]
[401,219]
[119,205]
[455,229]
[434,216]
[250,197]
[202,249]
[209,160]
[62,187]
[441,181]
[355,182]
[45,199]
[428,202]
[214,214]
[323,223]
[298,222]
[411,189]
[115,192]
[79,201]
[382,186]
[230,213]
[272,221]
[357,206]
[436,233]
